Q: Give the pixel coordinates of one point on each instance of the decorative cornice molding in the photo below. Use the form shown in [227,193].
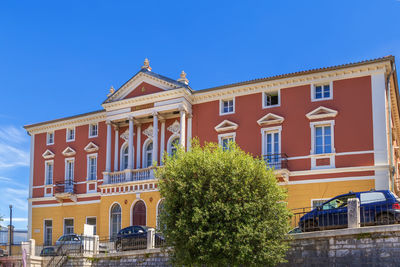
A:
[226,125]
[321,113]
[269,119]
[48,154]
[91,147]
[69,152]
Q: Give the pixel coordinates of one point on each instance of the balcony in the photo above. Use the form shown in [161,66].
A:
[279,163]
[130,175]
[65,190]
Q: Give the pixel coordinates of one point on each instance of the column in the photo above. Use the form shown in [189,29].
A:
[155,137]
[130,144]
[116,131]
[189,131]
[183,128]
[108,155]
[162,141]
[138,145]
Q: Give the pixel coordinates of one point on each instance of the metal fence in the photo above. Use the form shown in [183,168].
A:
[325,218]
[276,161]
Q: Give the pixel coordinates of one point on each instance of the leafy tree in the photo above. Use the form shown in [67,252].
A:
[222,208]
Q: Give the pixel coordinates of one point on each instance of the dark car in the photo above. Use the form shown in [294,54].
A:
[48,251]
[376,207]
[134,237]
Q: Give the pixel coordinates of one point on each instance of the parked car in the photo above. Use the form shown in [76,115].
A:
[2,253]
[69,243]
[134,237]
[48,251]
[376,207]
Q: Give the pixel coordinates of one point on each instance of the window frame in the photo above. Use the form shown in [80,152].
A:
[264,99]
[95,226]
[225,136]
[313,87]
[46,163]
[221,106]
[316,124]
[171,141]
[90,130]
[66,170]
[73,225]
[47,138]
[67,133]
[268,130]
[44,230]
[88,158]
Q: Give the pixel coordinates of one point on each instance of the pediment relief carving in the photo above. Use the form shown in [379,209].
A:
[321,112]
[226,125]
[48,154]
[270,118]
[91,147]
[68,152]
[125,135]
[175,127]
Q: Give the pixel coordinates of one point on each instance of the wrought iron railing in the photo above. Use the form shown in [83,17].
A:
[276,161]
[66,186]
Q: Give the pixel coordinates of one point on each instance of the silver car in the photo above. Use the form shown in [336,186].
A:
[69,243]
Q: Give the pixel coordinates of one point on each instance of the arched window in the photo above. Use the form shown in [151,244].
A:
[173,145]
[139,213]
[160,208]
[115,219]
[148,155]
[124,158]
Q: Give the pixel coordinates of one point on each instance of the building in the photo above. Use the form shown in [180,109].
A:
[325,131]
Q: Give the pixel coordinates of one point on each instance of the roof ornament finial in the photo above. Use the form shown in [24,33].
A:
[112,90]
[146,64]
[183,78]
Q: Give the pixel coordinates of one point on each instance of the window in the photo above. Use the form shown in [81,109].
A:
[227,106]
[173,146]
[149,155]
[92,167]
[317,202]
[271,146]
[323,139]
[321,91]
[271,99]
[115,219]
[372,197]
[92,221]
[69,175]
[49,167]
[124,158]
[224,139]
[340,202]
[70,134]
[93,130]
[50,138]
[48,232]
[68,226]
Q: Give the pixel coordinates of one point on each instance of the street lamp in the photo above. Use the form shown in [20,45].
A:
[10,239]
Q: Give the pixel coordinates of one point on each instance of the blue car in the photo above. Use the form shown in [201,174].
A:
[376,207]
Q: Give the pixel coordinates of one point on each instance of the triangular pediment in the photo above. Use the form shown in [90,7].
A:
[269,119]
[321,113]
[226,126]
[68,152]
[142,83]
[91,147]
[48,154]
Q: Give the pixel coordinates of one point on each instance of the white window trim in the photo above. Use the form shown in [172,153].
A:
[226,135]
[121,154]
[65,168]
[47,138]
[90,126]
[73,223]
[322,123]
[93,155]
[44,231]
[313,99]
[273,106]
[144,159]
[66,134]
[169,143]
[221,106]
[264,131]
[90,217]
[45,172]
[109,217]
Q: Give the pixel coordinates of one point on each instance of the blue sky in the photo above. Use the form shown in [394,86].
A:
[59,58]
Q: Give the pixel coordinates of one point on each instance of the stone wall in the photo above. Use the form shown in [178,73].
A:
[366,246]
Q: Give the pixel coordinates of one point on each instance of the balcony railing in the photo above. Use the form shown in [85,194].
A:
[276,161]
[67,186]
[131,175]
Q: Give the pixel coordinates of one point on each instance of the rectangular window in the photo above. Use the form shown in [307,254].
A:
[93,130]
[323,139]
[49,172]
[92,221]
[322,91]
[271,99]
[70,134]
[69,169]
[68,226]
[317,202]
[50,138]
[272,149]
[227,106]
[48,232]
[92,167]
[224,139]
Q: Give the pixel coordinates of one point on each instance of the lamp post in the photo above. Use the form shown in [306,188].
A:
[10,238]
